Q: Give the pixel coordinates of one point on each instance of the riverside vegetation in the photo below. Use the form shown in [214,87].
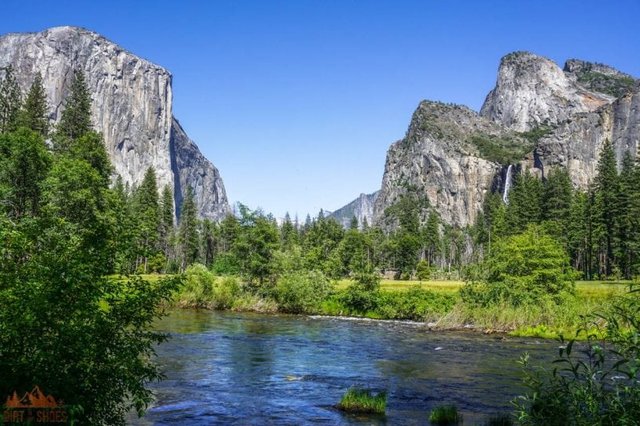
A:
[69,230]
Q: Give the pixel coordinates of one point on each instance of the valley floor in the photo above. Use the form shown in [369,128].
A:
[438,303]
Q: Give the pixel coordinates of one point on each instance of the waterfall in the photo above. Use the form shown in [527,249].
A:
[507,184]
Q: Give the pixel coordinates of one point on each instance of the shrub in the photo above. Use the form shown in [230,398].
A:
[198,286]
[362,295]
[225,292]
[357,400]
[302,291]
[415,304]
[445,415]
[599,385]
[423,271]
[523,269]
[202,289]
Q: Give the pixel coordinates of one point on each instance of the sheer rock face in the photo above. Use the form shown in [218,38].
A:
[576,143]
[532,90]
[362,208]
[436,162]
[132,108]
[440,161]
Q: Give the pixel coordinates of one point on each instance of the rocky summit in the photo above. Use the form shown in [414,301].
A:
[132,108]
[538,116]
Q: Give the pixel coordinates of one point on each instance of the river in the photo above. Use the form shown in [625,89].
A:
[239,368]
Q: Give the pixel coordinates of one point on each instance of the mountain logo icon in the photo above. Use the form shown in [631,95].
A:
[34,399]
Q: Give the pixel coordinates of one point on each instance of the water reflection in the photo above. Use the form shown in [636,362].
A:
[230,368]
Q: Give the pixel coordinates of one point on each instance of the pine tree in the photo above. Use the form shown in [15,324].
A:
[166,222]
[24,164]
[627,220]
[147,213]
[524,203]
[556,203]
[353,224]
[288,233]
[188,230]
[431,237]
[605,209]
[34,111]
[10,101]
[76,116]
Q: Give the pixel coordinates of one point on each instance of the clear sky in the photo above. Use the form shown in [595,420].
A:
[296,102]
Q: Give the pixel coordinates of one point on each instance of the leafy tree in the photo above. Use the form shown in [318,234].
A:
[256,245]
[10,101]
[302,291]
[59,310]
[34,111]
[523,269]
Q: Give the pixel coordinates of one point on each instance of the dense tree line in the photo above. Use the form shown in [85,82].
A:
[599,228]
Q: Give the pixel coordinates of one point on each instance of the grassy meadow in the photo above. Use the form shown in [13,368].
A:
[436,302]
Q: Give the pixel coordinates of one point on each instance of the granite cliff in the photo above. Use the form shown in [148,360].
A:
[132,108]
[361,208]
[537,117]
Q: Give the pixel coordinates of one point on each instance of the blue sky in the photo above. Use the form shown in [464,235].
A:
[296,102]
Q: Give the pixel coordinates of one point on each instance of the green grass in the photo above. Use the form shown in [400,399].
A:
[403,285]
[434,301]
[445,415]
[357,400]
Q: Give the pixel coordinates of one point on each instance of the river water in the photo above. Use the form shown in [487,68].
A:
[245,369]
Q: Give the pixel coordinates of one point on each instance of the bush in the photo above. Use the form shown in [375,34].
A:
[302,291]
[523,269]
[202,289]
[415,304]
[423,270]
[598,386]
[357,400]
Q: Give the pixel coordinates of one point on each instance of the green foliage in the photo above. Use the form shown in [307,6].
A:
[255,247]
[59,310]
[524,207]
[146,212]
[302,291]
[523,269]
[600,385]
[24,164]
[202,289]
[534,135]
[445,415]
[10,101]
[500,149]
[76,116]
[357,400]
[34,114]
[415,304]
[614,85]
[423,270]
[188,238]
[363,294]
